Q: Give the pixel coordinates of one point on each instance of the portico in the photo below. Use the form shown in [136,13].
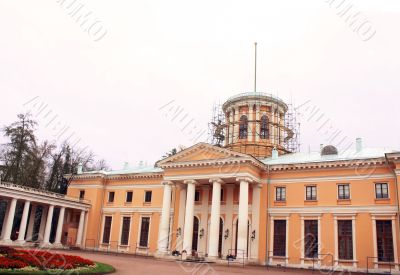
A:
[34,203]
[215,210]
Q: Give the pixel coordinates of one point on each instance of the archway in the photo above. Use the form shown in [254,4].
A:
[195,233]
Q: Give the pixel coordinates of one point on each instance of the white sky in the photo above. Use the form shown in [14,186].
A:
[195,53]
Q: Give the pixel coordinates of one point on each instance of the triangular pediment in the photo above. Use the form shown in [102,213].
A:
[201,152]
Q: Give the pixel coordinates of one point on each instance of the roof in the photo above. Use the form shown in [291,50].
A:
[129,170]
[350,154]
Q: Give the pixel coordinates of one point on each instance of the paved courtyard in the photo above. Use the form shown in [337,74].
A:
[126,265]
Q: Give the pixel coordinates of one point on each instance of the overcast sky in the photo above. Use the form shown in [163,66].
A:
[108,84]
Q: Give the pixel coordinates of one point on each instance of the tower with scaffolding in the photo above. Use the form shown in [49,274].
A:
[255,123]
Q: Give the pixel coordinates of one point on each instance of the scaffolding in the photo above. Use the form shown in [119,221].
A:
[281,132]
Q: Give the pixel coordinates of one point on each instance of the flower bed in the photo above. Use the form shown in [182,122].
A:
[11,258]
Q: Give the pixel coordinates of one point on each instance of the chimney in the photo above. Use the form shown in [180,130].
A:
[275,153]
[80,168]
[359,146]
[126,166]
[321,146]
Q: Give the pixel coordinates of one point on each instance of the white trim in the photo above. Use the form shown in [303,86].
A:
[129,231]
[388,190]
[139,230]
[209,176]
[139,209]
[374,240]
[338,178]
[351,217]
[374,209]
[102,229]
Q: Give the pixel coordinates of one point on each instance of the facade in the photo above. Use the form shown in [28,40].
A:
[251,198]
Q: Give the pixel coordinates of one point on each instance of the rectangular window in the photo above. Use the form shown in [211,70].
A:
[197,196]
[280,193]
[343,191]
[311,238]
[111,196]
[279,238]
[107,229]
[147,196]
[381,190]
[345,239]
[129,196]
[81,194]
[126,224]
[144,232]
[311,193]
[384,240]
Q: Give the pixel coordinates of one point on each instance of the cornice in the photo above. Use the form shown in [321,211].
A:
[328,164]
[118,176]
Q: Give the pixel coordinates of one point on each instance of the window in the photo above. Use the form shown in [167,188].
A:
[107,229]
[311,238]
[381,190]
[147,196]
[144,232]
[279,238]
[343,191]
[126,224]
[280,193]
[197,196]
[243,127]
[345,239]
[384,240]
[111,196]
[264,132]
[81,194]
[129,196]
[311,193]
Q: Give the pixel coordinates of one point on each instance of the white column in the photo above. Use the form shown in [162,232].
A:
[31,223]
[215,216]
[204,218]
[251,123]
[257,131]
[231,119]
[228,218]
[24,221]
[335,234]
[243,215]
[60,224]
[235,137]
[80,228]
[42,226]
[255,219]
[46,238]
[353,223]
[374,240]
[165,215]
[5,220]
[181,218]
[9,222]
[394,234]
[188,229]
[302,241]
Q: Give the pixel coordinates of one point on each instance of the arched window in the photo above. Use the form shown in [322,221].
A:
[243,125]
[264,131]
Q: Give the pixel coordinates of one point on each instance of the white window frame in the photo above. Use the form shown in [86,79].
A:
[129,232]
[139,231]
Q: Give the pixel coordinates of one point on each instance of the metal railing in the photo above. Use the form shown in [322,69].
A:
[90,241]
[319,259]
[390,263]
[270,255]
[230,260]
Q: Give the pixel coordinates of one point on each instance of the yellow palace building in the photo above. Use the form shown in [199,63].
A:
[250,199]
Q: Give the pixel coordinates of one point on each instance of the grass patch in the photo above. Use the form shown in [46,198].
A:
[100,268]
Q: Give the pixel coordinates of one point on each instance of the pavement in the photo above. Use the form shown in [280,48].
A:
[129,264]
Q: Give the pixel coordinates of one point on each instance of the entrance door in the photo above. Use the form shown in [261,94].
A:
[221,228]
[195,233]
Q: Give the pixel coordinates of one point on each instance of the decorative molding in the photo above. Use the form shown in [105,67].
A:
[377,209]
[337,178]
[209,176]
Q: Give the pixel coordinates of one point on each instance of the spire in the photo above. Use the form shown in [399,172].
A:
[255,66]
